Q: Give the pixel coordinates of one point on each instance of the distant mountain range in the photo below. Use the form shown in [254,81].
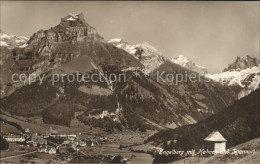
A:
[140,102]
[7,44]
[242,63]
[11,41]
[149,56]
[244,72]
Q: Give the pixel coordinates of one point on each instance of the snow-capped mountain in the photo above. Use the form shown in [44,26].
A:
[151,58]
[137,102]
[184,62]
[243,72]
[148,55]
[7,44]
[11,41]
[120,43]
[242,63]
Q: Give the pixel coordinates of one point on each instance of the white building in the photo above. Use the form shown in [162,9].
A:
[218,140]
[14,138]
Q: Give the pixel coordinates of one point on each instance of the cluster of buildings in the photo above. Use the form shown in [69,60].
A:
[14,138]
[53,142]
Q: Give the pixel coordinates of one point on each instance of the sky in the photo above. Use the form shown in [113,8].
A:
[211,34]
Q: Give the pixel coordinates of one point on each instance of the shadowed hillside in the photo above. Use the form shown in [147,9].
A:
[238,123]
[138,102]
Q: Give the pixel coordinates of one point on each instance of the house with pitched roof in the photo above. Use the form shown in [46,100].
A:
[218,140]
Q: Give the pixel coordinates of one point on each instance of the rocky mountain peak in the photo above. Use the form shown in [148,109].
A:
[72,28]
[72,20]
[244,72]
[238,59]
[242,63]
[149,49]
[185,62]
[181,60]
[148,55]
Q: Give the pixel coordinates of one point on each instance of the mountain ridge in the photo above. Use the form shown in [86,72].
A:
[74,47]
[245,75]
[183,61]
[242,63]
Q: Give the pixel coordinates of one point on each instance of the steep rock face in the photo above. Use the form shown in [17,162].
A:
[74,47]
[184,62]
[149,56]
[72,28]
[243,72]
[242,63]
[57,46]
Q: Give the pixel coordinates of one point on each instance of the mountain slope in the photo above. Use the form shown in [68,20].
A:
[75,48]
[238,123]
[149,56]
[8,43]
[198,94]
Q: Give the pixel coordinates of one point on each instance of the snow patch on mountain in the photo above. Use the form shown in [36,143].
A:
[3,43]
[73,17]
[251,87]
[5,36]
[184,62]
[181,60]
[11,41]
[120,43]
[23,46]
[149,56]
[115,40]
[234,77]
[247,79]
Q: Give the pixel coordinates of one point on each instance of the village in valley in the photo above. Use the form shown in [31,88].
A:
[181,87]
[52,142]
[32,142]
[27,146]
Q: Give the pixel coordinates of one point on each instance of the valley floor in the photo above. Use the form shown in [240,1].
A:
[126,139]
[104,150]
[128,144]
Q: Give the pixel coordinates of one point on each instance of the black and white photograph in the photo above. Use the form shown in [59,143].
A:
[138,82]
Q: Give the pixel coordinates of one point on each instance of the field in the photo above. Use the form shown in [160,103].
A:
[15,149]
[9,129]
[36,158]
